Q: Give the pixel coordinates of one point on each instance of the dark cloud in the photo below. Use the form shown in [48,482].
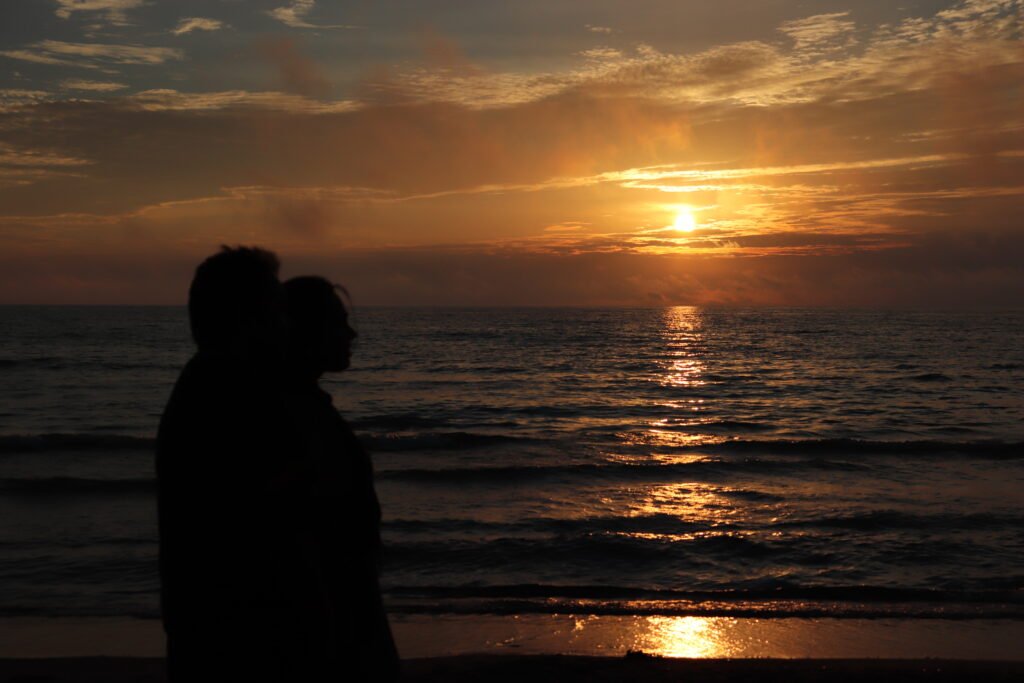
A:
[297,73]
[299,217]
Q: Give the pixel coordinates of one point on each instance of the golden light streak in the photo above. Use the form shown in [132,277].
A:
[685,637]
[683,364]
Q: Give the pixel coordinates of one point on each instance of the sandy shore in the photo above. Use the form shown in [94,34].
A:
[431,636]
[563,669]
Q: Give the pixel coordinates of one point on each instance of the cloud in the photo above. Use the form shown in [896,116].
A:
[298,74]
[709,75]
[818,29]
[808,166]
[20,166]
[113,10]
[566,226]
[166,99]
[294,15]
[11,156]
[92,86]
[15,97]
[190,24]
[190,145]
[445,55]
[826,58]
[660,177]
[308,219]
[600,53]
[42,57]
[92,55]
[599,29]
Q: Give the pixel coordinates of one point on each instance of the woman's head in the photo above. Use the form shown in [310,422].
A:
[320,338]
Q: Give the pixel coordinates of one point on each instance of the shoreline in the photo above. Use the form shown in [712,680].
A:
[609,637]
[563,669]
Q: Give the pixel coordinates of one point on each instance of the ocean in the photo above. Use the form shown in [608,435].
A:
[655,462]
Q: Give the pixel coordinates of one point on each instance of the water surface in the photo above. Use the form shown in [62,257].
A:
[671,462]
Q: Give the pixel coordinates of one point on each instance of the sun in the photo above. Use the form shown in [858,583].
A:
[685,222]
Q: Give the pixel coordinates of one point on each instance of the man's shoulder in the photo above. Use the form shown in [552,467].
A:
[218,399]
[207,374]
[205,387]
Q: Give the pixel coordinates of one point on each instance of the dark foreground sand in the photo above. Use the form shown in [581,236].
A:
[565,669]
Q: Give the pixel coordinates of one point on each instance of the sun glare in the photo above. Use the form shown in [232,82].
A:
[685,222]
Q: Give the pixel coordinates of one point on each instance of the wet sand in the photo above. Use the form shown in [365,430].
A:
[563,669]
[433,636]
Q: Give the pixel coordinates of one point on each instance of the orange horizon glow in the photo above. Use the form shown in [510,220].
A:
[831,159]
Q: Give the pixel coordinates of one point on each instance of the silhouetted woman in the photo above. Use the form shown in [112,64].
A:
[344,532]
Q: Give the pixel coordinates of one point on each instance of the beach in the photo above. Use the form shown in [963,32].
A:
[564,669]
[575,647]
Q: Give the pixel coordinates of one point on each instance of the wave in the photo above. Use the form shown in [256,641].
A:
[64,611]
[388,442]
[34,443]
[656,523]
[756,610]
[481,370]
[861,602]
[779,591]
[988,448]
[56,363]
[732,426]
[49,361]
[615,471]
[623,551]
[395,421]
[931,377]
[68,486]
[141,608]
[894,520]
[815,451]
[92,543]
[662,523]
[447,441]
[722,556]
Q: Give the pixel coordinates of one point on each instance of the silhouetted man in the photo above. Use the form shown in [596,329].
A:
[241,598]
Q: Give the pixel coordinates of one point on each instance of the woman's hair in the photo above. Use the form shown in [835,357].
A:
[308,300]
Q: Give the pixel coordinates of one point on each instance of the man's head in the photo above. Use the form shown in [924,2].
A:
[235,303]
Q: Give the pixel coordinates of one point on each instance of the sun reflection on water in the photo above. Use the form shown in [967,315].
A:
[684,637]
[690,501]
[704,505]
[683,332]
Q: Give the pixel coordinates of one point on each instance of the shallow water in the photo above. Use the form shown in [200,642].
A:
[655,462]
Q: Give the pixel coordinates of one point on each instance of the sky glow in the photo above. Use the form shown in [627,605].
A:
[518,153]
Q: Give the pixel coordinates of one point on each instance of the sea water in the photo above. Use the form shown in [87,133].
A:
[664,463]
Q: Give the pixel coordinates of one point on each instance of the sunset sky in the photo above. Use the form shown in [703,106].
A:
[461,152]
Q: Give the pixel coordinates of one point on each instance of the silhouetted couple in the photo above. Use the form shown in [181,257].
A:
[269,523]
